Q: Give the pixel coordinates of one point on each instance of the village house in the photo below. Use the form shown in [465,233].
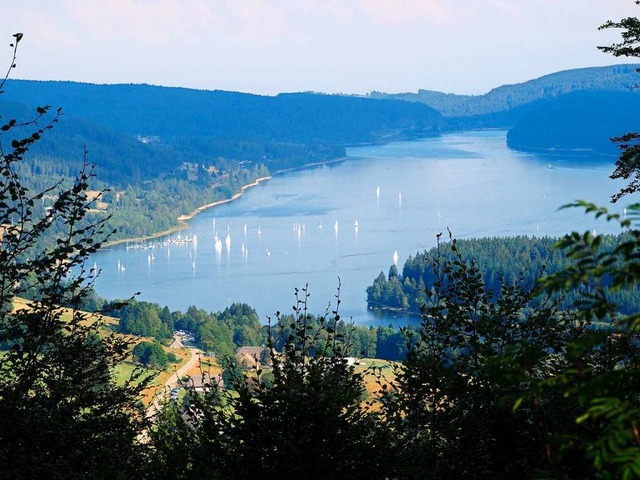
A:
[250,357]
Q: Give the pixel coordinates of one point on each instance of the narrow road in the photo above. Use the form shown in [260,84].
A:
[173,381]
[177,375]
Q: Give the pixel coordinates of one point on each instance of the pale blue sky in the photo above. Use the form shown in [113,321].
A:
[271,46]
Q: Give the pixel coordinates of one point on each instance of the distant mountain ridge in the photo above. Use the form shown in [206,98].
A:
[140,109]
[613,78]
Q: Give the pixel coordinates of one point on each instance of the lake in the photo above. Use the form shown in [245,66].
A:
[300,227]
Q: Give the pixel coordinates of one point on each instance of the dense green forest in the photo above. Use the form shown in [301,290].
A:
[515,260]
[175,113]
[578,123]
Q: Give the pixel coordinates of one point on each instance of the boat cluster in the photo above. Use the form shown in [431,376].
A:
[178,240]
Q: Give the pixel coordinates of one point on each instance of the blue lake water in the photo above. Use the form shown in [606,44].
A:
[299,227]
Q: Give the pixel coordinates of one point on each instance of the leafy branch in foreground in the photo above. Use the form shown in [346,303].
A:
[604,371]
[63,415]
[301,415]
[628,165]
[476,351]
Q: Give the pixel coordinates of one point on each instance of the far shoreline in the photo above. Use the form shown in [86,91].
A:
[182,220]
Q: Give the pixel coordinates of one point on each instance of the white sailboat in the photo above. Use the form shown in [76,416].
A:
[395,258]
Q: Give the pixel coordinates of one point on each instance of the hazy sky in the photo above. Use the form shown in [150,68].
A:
[271,46]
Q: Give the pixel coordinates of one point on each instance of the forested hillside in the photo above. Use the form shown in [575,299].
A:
[138,132]
[582,122]
[615,78]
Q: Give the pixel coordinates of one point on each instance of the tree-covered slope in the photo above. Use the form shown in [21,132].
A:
[583,121]
[180,112]
[614,78]
[139,132]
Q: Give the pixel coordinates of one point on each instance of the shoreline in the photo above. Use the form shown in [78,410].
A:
[311,165]
[183,219]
